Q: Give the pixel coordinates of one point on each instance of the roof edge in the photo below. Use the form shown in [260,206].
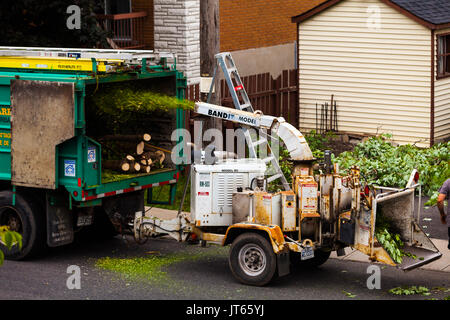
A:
[312,12]
[410,15]
[318,9]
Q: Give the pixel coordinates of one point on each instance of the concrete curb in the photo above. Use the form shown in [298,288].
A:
[442,264]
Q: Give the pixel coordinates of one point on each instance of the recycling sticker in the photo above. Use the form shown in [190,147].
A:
[69,168]
[91,155]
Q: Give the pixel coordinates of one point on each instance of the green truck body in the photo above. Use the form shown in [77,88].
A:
[46,152]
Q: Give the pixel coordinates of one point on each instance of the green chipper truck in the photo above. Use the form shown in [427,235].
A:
[52,181]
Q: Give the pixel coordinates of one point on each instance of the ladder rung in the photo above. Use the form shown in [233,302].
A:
[246,106]
[274,177]
[269,159]
[260,142]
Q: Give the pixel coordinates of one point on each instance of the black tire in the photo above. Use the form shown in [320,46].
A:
[252,260]
[26,218]
[320,257]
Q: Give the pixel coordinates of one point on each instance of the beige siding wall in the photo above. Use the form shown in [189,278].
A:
[442,104]
[380,77]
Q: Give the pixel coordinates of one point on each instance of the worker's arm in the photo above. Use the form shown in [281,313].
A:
[440,205]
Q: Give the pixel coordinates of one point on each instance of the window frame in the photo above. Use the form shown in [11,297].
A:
[443,59]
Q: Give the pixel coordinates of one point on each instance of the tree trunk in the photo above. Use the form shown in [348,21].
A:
[116,165]
[209,47]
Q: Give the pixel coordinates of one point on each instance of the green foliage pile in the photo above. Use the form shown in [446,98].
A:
[153,266]
[383,164]
[410,291]
[9,239]
[112,176]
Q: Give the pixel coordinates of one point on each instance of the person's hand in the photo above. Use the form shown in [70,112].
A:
[444,218]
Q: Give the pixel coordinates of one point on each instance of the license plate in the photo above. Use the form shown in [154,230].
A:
[84,220]
[307,253]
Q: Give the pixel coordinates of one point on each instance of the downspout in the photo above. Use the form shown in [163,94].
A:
[433,62]
[298,75]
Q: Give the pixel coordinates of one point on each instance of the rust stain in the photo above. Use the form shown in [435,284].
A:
[262,214]
[212,237]
[379,254]
[274,232]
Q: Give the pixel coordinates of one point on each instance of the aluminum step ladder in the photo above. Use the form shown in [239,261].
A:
[238,93]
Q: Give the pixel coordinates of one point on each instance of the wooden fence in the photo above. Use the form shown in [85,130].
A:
[276,97]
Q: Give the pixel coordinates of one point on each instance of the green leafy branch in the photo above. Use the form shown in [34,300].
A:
[8,239]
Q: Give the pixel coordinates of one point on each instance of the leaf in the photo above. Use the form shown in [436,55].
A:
[17,239]
[2,257]
[349,294]
[8,240]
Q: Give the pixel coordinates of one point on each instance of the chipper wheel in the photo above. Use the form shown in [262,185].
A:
[252,260]
[27,218]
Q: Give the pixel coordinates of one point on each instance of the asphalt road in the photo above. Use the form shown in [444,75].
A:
[431,223]
[201,274]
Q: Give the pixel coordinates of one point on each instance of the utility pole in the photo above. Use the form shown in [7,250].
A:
[209,47]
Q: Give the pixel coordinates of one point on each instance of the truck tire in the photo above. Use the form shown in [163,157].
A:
[26,218]
[320,257]
[252,260]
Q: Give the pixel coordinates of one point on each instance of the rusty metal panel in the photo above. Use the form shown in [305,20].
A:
[267,208]
[288,211]
[42,117]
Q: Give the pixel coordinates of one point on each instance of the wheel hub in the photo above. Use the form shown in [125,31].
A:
[10,218]
[252,259]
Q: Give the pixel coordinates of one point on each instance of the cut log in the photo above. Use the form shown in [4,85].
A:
[146,162]
[140,148]
[130,158]
[116,165]
[127,137]
[156,156]
[146,169]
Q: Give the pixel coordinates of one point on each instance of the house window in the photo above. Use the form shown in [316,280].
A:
[443,56]
[117,6]
[121,28]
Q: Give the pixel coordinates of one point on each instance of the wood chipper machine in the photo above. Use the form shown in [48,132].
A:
[322,210]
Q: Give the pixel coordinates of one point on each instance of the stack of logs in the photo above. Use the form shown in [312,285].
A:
[143,158]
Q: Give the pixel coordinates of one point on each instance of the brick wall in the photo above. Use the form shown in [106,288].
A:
[248,24]
[177,30]
[146,5]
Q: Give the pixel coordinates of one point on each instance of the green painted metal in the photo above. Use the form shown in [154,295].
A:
[86,180]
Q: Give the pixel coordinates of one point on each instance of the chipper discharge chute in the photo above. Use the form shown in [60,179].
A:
[387,229]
